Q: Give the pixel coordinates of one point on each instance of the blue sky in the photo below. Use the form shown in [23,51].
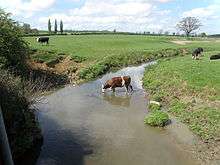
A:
[123,15]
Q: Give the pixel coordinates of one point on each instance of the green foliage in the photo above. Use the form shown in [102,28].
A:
[49,57]
[13,50]
[49,26]
[93,71]
[206,123]
[110,63]
[55,26]
[78,59]
[61,27]
[157,118]
[26,28]
[178,108]
[154,107]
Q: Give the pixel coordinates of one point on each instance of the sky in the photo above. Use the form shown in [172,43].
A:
[122,15]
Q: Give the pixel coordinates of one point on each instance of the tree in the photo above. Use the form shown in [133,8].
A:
[166,33]
[55,27]
[188,25]
[49,26]
[61,27]
[160,32]
[203,34]
[26,28]
[34,31]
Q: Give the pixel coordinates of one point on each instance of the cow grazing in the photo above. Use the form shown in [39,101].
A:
[215,57]
[196,53]
[123,81]
[43,40]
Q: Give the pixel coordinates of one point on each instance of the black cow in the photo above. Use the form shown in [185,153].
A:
[215,57]
[197,52]
[43,40]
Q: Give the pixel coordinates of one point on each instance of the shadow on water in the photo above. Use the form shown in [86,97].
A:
[62,146]
[31,156]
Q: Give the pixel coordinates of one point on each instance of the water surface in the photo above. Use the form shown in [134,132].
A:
[82,126]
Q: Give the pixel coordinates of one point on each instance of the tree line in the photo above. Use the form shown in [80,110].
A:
[55,27]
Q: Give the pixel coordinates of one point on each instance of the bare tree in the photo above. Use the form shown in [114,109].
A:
[189,24]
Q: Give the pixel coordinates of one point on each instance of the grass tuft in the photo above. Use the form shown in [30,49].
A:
[157,118]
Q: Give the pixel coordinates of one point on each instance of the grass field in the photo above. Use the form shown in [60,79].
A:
[95,47]
[102,53]
[191,91]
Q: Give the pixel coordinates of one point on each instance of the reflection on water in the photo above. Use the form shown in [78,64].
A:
[118,100]
[83,126]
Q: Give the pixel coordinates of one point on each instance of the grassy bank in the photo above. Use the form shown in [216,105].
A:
[94,55]
[190,89]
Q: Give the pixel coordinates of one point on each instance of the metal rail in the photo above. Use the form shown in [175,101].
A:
[5,151]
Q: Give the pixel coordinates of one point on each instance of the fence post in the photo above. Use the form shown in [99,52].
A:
[5,151]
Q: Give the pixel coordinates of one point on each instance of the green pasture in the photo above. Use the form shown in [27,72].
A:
[99,46]
[190,89]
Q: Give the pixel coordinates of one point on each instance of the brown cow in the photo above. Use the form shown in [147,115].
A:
[123,81]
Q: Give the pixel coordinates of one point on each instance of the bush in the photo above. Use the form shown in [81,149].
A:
[157,118]
[21,126]
[13,49]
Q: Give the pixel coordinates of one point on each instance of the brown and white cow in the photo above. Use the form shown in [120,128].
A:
[123,81]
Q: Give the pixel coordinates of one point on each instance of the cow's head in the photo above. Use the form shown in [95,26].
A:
[104,87]
[37,39]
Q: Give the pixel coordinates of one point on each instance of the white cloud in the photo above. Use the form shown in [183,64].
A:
[163,1]
[124,15]
[209,17]
[26,8]
[209,12]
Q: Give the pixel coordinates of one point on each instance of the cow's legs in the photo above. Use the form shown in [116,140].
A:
[126,87]
[113,89]
[131,88]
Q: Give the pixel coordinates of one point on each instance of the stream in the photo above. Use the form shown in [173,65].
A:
[82,126]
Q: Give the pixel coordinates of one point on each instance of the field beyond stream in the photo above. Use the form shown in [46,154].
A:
[188,89]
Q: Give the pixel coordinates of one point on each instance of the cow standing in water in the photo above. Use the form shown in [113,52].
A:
[123,81]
